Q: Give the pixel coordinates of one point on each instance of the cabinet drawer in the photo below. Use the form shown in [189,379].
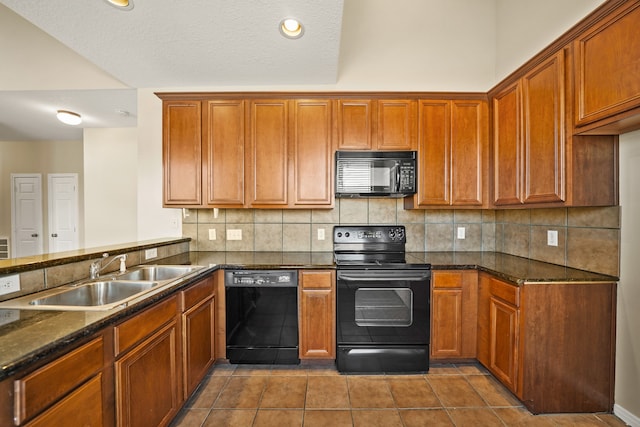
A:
[82,407]
[447,279]
[36,391]
[135,329]
[196,293]
[506,292]
[310,279]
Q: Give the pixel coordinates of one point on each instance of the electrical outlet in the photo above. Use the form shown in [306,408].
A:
[8,316]
[461,233]
[234,234]
[320,233]
[552,237]
[9,284]
[150,253]
[212,234]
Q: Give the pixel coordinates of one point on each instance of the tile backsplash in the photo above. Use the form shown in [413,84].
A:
[588,238]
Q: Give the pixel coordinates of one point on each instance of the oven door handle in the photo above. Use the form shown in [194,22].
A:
[367,276]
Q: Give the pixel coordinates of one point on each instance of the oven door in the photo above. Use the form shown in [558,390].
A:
[383,320]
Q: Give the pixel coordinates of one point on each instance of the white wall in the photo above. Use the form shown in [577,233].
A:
[110,186]
[628,334]
[525,27]
[43,157]
[452,45]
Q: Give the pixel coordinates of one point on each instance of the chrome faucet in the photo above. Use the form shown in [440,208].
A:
[97,267]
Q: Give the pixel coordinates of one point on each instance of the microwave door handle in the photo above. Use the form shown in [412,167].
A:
[397,189]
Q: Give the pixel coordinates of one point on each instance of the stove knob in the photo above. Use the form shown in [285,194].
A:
[347,234]
[339,233]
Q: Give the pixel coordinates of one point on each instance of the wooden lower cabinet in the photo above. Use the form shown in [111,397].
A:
[552,344]
[70,390]
[148,369]
[83,407]
[198,333]
[453,314]
[317,292]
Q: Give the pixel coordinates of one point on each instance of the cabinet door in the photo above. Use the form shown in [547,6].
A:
[396,124]
[503,320]
[198,335]
[312,153]
[148,386]
[469,133]
[543,132]
[317,314]
[223,152]
[608,66]
[181,153]
[434,162]
[355,124]
[446,326]
[507,150]
[454,314]
[268,153]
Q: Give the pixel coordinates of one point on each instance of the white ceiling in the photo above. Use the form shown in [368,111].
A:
[170,43]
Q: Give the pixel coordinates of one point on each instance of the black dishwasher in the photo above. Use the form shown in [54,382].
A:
[262,316]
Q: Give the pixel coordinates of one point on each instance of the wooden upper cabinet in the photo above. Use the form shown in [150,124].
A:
[396,124]
[182,153]
[507,150]
[312,147]
[355,124]
[529,137]
[452,153]
[369,124]
[607,69]
[543,136]
[223,152]
[268,153]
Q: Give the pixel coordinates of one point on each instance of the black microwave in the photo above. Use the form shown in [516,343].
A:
[375,173]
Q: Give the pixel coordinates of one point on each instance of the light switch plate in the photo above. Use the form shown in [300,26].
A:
[552,237]
[212,234]
[9,284]
[320,233]
[461,233]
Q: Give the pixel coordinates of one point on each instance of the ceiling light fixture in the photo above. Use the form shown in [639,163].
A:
[69,117]
[121,4]
[291,28]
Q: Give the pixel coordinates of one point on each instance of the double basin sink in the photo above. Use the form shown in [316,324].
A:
[107,292]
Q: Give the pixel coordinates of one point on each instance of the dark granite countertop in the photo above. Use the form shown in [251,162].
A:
[19,265]
[27,336]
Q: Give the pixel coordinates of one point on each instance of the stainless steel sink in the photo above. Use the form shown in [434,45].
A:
[158,273]
[106,292]
[95,294]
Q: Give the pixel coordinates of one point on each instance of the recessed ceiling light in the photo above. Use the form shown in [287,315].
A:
[69,117]
[291,28]
[121,4]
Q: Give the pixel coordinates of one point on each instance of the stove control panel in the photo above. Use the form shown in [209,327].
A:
[370,234]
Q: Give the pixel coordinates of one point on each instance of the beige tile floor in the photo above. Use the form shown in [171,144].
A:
[310,396]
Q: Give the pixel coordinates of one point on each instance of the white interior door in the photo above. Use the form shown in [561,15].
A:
[63,211]
[26,214]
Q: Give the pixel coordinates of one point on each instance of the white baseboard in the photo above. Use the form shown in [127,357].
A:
[626,416]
